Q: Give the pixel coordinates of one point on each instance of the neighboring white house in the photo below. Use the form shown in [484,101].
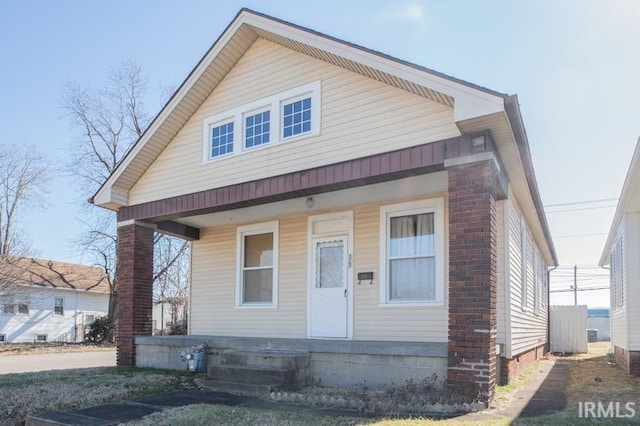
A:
[170,316]
[45,301]
[378,216]
[621,255]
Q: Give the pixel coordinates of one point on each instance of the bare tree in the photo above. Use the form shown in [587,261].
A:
[108,122]
[23,173]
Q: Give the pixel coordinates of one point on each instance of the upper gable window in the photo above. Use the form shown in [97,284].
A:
[222,140]
[296,118]
[283,117]
[257,129]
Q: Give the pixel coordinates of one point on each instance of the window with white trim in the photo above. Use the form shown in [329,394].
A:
[617,273]
[283,117]
[412,253]
[3,338]
[296,117]
[257,129]
[221,139]
[58,306]
[15,304]
[41,338]
[257,265]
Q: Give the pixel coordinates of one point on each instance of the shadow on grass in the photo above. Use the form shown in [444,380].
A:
[551,395]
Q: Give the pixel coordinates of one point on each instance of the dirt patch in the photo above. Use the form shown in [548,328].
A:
[41,348]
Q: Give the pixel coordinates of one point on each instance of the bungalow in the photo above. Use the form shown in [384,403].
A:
[620,255]
[378,219]
[42,301]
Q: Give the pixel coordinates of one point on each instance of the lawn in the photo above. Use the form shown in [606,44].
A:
[61,390]
[592,378]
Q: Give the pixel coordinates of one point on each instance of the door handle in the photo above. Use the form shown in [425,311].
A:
[345,292]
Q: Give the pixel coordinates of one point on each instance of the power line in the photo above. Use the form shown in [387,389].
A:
[583,208]
[580,289]
[580,235]
[574,203]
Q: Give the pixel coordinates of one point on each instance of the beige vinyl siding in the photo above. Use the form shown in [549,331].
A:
[360,116]
[632,285]
[375,322]
[619,321]
[526,328]
[213,308]
[501,290]
[213,287]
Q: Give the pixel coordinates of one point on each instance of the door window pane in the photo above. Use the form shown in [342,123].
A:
[330,262]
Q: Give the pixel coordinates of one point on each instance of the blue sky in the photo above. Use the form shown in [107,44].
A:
[574,65]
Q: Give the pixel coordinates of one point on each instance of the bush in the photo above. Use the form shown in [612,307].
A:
[101,331]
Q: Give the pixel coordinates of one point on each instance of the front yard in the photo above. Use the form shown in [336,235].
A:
[592,379]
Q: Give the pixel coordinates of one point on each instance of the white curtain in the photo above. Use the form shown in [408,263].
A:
[411,257]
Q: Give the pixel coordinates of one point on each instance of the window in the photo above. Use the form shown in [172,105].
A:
[257,265]
[3,338]
[8,307]
[222,140]
[283,117]
[257,129]
[296,118]
[89,319]
[523,264]
[12,305]
[412,253]
[617,275]
[59,306]
[41,338]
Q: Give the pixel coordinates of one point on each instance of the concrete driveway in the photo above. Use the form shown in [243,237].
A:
[56,361]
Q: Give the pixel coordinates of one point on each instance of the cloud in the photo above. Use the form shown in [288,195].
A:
[398,12]
[414,12]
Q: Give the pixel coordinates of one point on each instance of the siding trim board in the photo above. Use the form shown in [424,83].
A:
[422,159]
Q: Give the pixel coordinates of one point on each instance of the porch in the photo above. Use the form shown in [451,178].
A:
[334,363]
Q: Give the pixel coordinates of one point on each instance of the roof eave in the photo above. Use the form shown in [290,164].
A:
[515,119]
[470,100]
[632,179]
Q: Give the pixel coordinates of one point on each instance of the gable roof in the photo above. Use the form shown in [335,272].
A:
[50,274]
[475,108]
[628,202]
[467,100]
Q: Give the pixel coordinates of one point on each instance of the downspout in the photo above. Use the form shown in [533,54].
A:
[549,307]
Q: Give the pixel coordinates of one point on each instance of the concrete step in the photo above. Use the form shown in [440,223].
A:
[265,358]
[232,387]
[252,374]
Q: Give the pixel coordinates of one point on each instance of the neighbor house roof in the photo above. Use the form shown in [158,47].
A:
[628,202]
[51,274]
[475,108]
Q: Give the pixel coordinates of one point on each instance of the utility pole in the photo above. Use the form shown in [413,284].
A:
[575,285]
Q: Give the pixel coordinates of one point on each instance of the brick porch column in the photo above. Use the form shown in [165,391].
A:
[472,275]
[135,288]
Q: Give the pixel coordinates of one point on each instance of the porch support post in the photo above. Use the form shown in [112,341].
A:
[472,360]
[134,278]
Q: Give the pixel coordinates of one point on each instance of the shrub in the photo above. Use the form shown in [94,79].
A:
[101,331]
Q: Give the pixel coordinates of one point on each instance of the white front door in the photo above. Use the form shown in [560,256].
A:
[329,286]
